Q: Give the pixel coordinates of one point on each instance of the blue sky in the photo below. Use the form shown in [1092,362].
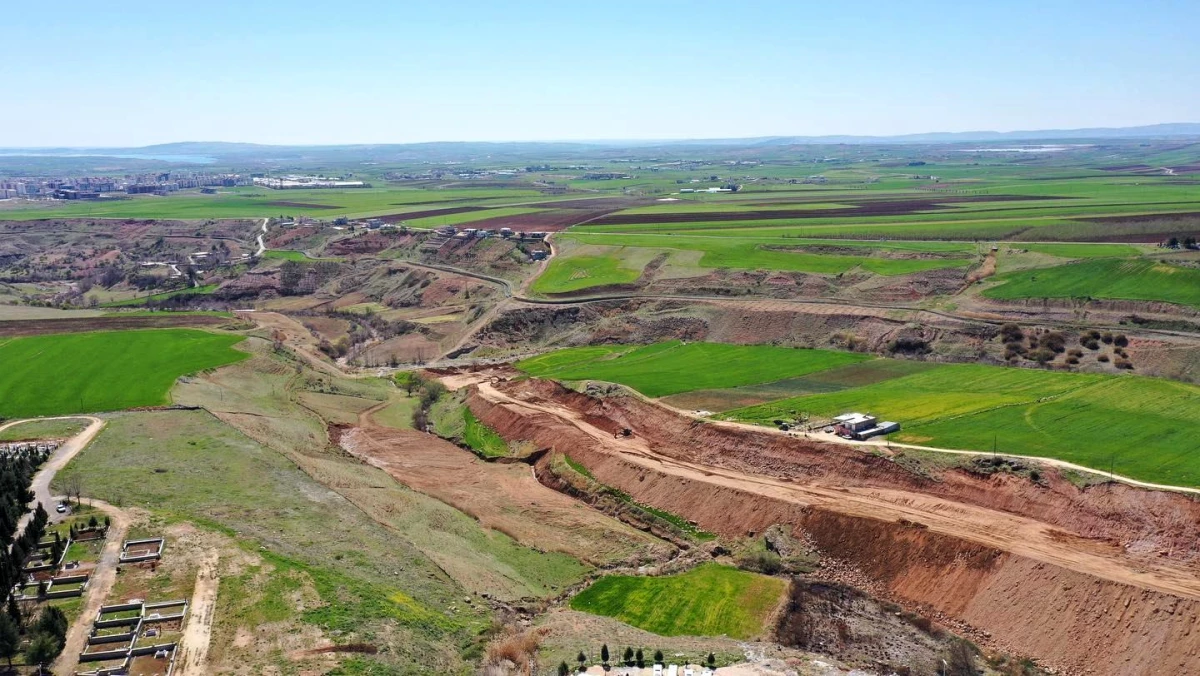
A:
[132,73]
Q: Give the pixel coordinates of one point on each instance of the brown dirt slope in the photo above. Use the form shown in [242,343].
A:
[504,497]
[1050,572]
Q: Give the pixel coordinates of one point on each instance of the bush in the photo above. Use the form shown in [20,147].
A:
[1011,333]
[1107,337]
[1035,475]
[1124,364]
[761,561]
[1091,344]
[1120,340]
[1102,358]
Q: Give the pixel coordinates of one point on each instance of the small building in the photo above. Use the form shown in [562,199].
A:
[854,422]
[886,427]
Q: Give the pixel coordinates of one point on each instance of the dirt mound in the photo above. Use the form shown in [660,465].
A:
[1096,568]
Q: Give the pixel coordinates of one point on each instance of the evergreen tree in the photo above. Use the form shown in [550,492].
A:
[10,639]
[604,654]
[628,656]
[658,657]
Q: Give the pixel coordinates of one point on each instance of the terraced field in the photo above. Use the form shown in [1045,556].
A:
[673,367]
[1141,279]
[710,600]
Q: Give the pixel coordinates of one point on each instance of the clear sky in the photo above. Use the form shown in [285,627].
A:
[342,71]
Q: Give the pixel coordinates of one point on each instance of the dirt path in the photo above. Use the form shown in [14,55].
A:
[104,575]
[58,460]
[1003,531]
[193,647]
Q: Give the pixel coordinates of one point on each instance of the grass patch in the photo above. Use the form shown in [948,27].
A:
[284,255]
[582,272]
[1137,279]
[191,291]
[44,429]
[710,600]
[482,438]
[103,371]
[670,368]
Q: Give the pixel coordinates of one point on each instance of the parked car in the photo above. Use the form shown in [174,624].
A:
[61,509]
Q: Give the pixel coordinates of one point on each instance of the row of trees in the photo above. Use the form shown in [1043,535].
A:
[629,658]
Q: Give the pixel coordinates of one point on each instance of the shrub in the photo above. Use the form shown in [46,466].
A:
[762,561]
[1102,358]
[1055,341]
[1124,364]
[1035,475]
[1042,355]
[1120,340]
[1107,337]
[1091,344]
[1072,360]
[1011,333]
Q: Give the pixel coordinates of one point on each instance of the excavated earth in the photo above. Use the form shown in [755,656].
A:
[1104,580]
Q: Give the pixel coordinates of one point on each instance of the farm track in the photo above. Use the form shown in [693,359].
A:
[103,577]
[197,634]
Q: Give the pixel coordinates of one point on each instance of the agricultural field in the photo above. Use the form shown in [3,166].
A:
[673,367]
[710,600]
[142,300]
[1117,279]
[624,257]
[103,371]
[257,202]
[1066,416]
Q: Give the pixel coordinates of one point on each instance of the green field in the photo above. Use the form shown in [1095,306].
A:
[1139,279]
[190,291]
[710,600]
[590,260]
[1143,427]
[256,202]
[582,272]
[285,255]
[670,368]
[103,371]
[482,438]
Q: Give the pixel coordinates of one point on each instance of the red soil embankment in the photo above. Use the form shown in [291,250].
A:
[1055,572]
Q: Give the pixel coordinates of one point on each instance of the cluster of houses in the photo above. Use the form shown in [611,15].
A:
[479,233]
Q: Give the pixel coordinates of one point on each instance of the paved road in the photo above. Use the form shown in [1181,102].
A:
[58,460]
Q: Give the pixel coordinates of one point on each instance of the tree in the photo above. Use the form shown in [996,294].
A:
[581,658]
[641,659]
[563,669]
[712,660]
[53,622]
[628,655]
[14,611]
[41,649]
[658,657]
[10,639]
[604,654]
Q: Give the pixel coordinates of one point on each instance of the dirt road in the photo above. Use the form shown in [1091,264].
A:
[1000,530]
[104,575]
[197,634]
[58,460]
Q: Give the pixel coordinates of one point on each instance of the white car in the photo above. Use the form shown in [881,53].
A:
[61,509]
